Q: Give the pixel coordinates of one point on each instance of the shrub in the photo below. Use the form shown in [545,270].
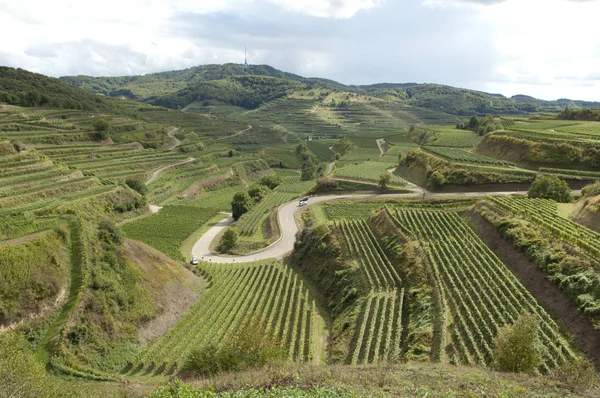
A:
[384,179]
[591,190]
[250,347]
[518,347]
[550,187]
[137,185]
[271,181]
[258,192]
[579,373]
[228,241]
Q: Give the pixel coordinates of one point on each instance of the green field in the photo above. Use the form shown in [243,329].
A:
[167,229]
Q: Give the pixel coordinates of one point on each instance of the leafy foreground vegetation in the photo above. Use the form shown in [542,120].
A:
[407,380]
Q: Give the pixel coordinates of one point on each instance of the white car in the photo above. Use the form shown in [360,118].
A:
[303,203]
[194,261]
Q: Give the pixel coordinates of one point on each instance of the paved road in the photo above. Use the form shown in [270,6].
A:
[288,227]
[380,143]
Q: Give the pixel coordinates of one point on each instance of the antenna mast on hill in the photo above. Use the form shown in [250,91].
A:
[245,57]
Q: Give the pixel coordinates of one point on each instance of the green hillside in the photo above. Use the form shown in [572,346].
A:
[178,89]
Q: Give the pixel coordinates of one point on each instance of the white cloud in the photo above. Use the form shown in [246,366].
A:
[328,8]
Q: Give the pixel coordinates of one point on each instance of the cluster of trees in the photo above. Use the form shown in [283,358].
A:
[243,91]
[550,187]
[311,167]
[481,126]
[23,88]
[579,114]
[243,201]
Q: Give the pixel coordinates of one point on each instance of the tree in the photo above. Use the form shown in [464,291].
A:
[241,203]
[257,192]
[550,187]
[101,127]
[270,181]
[228,241]
[137,185]
[518,346]
[230,153]
[384,179]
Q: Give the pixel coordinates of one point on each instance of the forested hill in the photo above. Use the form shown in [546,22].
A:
[253,85]
[151,86]
[23,88]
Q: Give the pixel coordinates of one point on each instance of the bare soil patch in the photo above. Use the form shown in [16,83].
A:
[173,287]
[558,304]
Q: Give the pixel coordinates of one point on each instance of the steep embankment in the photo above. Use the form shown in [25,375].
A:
[587,212]
[518,150]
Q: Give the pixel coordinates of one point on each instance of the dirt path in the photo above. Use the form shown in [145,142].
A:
[380,144]
[24,239]
[557,303]
[235,135]
[157,172]
[330,168]
[176,142]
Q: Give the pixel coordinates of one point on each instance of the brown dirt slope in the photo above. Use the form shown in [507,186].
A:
[557,303]
[587,213]
[173,287]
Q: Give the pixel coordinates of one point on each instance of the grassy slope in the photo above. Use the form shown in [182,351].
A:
[408,380]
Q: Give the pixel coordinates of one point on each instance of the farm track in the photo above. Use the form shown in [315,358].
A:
[157,172]
[289,229]
[176,142]
[235,135]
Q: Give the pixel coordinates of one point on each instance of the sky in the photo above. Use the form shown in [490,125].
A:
[548,49]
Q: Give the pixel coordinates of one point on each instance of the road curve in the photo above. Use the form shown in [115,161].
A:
[288,227]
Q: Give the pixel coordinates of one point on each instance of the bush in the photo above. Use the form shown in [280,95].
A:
[384,179]
[579,373]
[137,185]
[437,179]
[109,233]
[271,181]
[228,241]
[258,192]
[518,347]
[250,347]
[550,187]
[591,190]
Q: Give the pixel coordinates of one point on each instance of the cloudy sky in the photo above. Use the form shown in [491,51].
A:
[546,48]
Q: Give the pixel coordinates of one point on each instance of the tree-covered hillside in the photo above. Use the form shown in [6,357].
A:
[159,84]
[20,87]
[220,83]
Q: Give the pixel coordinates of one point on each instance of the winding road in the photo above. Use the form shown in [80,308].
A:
[288,227]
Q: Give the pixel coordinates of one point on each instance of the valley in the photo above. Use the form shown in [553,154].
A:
[439,220]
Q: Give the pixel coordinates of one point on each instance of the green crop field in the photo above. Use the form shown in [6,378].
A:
[463,156]
[250,222]
[167,229]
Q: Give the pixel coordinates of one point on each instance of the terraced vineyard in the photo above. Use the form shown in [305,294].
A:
[251,221]
[461,155]
[378,336]
[481,293]
[369,172]
[543,212]
[269,292]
